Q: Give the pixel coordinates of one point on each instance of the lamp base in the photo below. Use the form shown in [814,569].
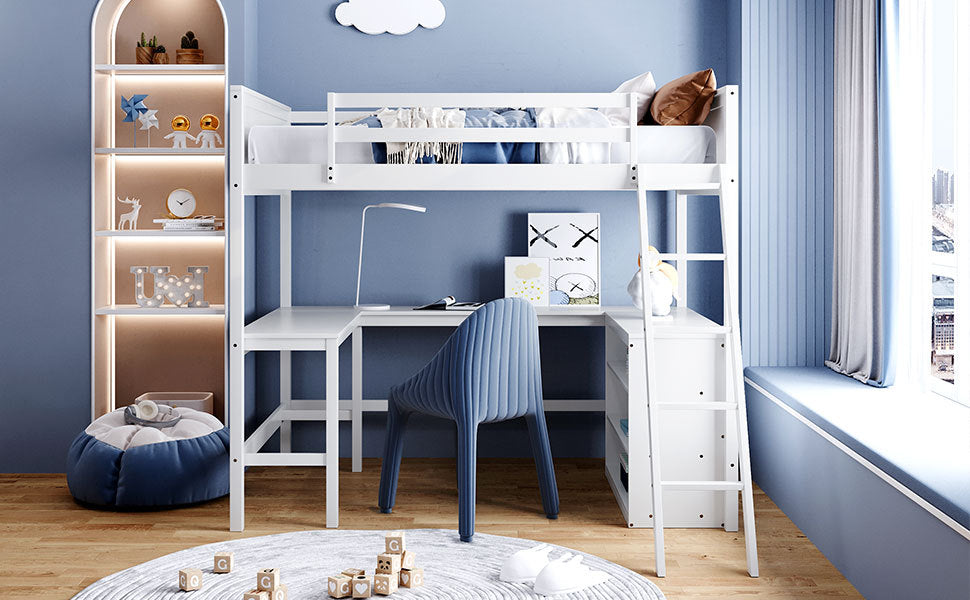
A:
[373,307]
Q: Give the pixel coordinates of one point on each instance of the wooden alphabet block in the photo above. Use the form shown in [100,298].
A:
[408,560]
[353,572]
[412,578]
[362,586]
[394,542]
[268,579]
[385,584]
[388,563]
[222,563]
[256,594]
[280,593]
[338,586]
[190,579]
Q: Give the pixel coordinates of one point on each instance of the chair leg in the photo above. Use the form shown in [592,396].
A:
[393,448]
[544,467]
[466,465]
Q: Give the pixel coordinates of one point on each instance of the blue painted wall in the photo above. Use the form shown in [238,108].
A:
[292,50]
[458,246]
[786,180]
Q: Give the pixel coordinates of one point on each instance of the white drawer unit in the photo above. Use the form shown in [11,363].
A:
[698,445]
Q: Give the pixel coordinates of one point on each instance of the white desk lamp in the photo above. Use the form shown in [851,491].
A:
[360,256]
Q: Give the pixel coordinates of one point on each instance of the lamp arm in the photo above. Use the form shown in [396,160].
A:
[360,254]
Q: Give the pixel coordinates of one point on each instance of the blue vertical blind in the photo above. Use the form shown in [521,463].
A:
[786,180]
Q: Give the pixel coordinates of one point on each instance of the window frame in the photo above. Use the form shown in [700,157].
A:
[946,264]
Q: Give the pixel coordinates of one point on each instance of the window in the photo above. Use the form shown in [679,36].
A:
[944,200]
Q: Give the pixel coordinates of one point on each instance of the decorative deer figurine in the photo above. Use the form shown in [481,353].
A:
[129,217]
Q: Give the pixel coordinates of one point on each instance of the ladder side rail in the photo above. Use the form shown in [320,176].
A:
[656,489]
[728,200]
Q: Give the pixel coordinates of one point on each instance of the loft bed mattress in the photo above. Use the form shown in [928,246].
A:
[307,144]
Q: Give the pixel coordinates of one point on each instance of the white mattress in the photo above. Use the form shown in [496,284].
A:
[308,145]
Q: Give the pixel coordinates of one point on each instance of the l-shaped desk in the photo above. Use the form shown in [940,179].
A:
[325,328]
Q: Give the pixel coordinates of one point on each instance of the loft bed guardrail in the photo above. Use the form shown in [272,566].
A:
[250,109]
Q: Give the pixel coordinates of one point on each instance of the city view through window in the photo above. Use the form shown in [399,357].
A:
[943,246]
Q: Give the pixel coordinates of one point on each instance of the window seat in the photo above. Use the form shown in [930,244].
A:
[923,442]
[878,480]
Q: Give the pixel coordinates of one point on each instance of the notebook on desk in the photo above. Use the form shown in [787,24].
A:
[449,303]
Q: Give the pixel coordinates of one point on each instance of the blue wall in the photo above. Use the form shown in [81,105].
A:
[786,180]
[292,50]
[458,246]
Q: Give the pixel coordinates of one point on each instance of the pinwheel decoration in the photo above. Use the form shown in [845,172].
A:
[148,120]
[133,108]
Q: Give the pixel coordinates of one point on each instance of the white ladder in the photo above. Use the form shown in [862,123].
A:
[728,200]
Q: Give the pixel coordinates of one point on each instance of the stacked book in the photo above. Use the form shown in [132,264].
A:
[192,224]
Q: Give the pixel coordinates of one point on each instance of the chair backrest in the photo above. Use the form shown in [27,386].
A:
[494,363]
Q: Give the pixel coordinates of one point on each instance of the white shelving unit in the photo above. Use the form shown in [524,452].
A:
[698,445]
[135,349]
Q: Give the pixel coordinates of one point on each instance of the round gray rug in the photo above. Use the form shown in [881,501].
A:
[452,569]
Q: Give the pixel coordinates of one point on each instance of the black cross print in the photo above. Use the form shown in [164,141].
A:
[542,236]
[576,285]
[586,234]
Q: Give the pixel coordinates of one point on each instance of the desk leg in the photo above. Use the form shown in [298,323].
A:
[333,433]
[357,400]
[286,394]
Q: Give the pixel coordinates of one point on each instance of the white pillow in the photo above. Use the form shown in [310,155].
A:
[644,87]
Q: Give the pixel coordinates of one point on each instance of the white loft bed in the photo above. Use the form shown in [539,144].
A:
[249,109]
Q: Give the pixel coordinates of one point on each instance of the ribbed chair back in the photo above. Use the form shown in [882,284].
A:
[488,370]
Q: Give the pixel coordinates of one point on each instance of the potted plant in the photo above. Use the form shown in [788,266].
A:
[145,50]
[160,57]
[189,53]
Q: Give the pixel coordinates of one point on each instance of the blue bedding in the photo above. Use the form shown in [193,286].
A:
[483,152]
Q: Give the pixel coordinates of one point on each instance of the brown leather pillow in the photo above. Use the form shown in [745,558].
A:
[685,100]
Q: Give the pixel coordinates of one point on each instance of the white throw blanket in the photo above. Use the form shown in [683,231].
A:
[409,153]
[572,152]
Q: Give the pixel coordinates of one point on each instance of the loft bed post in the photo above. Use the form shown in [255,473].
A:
[235,311]
[286,300]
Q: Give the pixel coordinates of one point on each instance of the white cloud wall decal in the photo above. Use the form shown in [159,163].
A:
[390,16]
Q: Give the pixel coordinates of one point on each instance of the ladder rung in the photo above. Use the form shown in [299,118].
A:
[698,405]
[698,486]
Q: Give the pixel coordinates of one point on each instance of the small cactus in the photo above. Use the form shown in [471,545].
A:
[160,50]
[189,41]
[146,43]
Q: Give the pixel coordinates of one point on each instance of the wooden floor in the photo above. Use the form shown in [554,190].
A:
[52,548]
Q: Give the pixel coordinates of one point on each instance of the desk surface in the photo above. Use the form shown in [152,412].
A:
[337,322]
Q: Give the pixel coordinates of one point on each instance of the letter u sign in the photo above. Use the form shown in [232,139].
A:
[181,290]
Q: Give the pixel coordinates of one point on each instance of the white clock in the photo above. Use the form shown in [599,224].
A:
[181,203]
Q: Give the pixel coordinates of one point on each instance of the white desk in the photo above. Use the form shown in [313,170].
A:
[325,328]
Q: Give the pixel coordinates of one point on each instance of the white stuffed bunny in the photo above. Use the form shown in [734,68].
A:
[663,282]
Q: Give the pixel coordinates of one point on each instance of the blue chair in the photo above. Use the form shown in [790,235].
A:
[487,371]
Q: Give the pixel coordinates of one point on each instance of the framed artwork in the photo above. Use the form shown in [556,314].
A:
[571,242]
[527,278]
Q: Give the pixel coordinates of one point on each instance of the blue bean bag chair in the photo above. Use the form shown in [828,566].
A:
[117,465]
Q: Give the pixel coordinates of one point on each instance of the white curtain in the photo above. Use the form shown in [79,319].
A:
[858,332]
[881,169]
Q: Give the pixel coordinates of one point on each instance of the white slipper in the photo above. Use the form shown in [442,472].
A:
[524,565]
[566,575]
